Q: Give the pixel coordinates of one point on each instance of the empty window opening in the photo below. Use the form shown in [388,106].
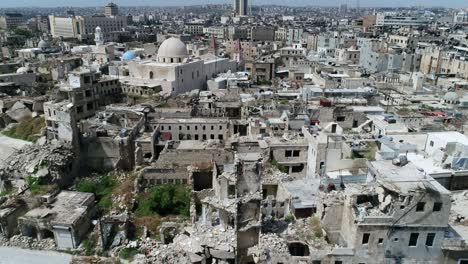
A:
[413,241]
[437,207]
[298,249]
[430,239]
[420,207]
[365,238]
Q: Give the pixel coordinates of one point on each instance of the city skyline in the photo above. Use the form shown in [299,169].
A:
[363,3]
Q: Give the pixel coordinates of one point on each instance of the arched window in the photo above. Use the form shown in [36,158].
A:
[151,75]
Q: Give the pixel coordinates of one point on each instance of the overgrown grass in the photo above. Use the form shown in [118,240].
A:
[280,167]
[27,130]
[37,188]
[165,200]
[316,227]
[128,253]
[102,188]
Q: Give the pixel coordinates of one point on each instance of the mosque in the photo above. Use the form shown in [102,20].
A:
[173,71]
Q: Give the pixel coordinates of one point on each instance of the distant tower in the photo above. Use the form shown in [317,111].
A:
[358,7]
[98,38]
[111,9]
[213,42]
[241,7]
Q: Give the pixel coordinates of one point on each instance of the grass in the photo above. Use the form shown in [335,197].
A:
[36,188]
[128,253]
[165,200]
[102,187]
[26,130]
[280,167]
[316,227]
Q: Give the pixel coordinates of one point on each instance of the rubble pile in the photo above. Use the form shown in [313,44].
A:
[50,161]
[155,252]
[302,230]
[27,242]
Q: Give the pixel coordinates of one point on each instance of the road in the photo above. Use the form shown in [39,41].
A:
[11,255]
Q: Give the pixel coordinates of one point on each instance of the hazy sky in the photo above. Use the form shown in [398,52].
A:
[55,3]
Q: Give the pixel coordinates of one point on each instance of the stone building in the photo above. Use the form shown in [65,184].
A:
[173,70]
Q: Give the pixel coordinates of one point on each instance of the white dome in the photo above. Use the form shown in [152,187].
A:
[172,50]
[22,70]
[44,44]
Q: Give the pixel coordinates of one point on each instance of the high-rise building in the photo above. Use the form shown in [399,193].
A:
[241,7]
[111,9]
[11,21]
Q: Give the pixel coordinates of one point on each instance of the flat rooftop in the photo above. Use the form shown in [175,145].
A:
[404,179]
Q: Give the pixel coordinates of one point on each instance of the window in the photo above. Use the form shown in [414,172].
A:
[188,127]
[431,143]
[220,137]
[180,127]
[151,75]
[296,153]
[437,207]
[338,262]
[196,127]
[204,127]
[204,137]
[365,238]
[420,207]
[430,239]
[288,153]
[196,137]
[212,136]
[380,241]
[413,241]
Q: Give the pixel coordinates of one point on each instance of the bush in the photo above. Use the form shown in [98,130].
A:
[102,188]
[164,200]
[89,246]
[128,253]
[316,227]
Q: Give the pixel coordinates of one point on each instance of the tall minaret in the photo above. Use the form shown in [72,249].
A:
[98,38]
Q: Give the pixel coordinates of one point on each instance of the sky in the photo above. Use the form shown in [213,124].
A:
[363,3]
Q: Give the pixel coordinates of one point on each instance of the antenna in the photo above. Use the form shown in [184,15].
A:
[358,7]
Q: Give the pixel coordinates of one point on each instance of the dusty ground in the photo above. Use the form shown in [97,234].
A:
[9,145]
[11,255]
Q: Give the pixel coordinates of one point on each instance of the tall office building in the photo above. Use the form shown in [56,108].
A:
[111,9]
[241,7]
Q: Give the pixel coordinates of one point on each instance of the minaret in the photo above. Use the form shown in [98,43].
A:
[98,38]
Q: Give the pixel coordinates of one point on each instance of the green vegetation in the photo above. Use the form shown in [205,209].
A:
[314,223]
[284,102]
[89,245]
[27,130]
[128,253]
[36,188]
[280,167]
[102,188]
[22,32]
[165,200]
[289,218]
[264,82]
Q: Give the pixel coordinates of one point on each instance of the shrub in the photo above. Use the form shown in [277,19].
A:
[128,253]
[316,227]
[164,200]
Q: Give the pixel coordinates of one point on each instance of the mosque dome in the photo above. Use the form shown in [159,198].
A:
[451,97]
[172,50]
[44,44]
[129,55]
[22,70]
